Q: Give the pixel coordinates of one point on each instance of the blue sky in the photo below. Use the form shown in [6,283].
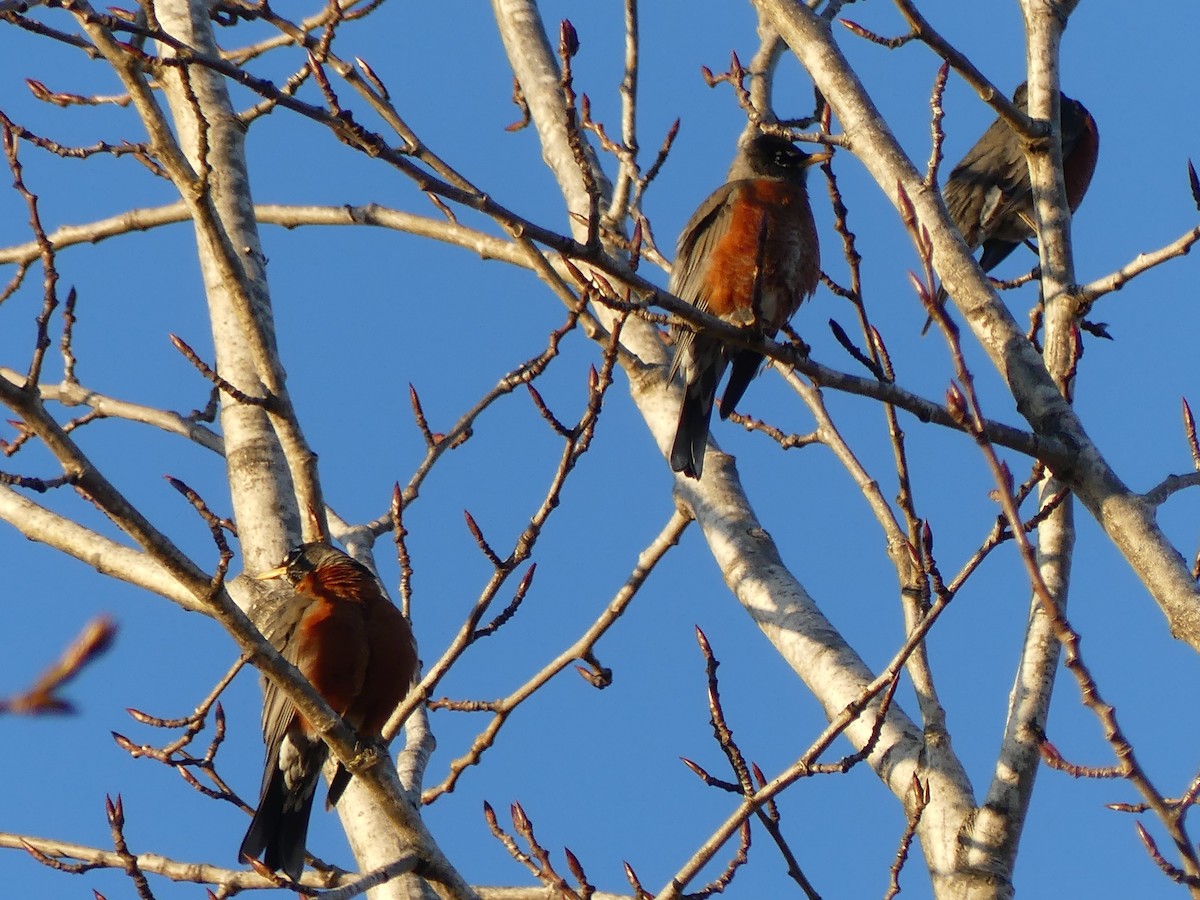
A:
[362,313]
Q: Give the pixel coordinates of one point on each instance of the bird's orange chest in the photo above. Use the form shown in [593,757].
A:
[1078,170]
[767,255]
[332,645]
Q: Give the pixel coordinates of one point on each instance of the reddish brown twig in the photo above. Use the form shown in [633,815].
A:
[920,799]
[537,860]
[115,812]
[44,697]
[209,373]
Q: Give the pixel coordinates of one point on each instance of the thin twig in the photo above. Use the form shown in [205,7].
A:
[44,697]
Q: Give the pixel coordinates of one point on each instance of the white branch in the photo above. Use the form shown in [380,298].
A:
[1123,515]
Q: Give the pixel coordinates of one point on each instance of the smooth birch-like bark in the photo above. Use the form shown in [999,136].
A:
[997,830]
[747,555]
[261,479]
[214,142]
[1124,515]
[37,523]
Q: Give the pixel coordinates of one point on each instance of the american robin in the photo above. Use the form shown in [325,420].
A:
[357,650]
[988,194]
[749,255]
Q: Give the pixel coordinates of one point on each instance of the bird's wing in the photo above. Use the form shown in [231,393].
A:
[1081,149]
[277,708]
[1073,123]
[989,187]
[699,237]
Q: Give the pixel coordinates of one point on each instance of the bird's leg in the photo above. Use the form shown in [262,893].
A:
[795,340]
[367,754]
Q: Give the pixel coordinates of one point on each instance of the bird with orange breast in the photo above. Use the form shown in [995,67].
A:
[358,652]
[748,255]
[989,195]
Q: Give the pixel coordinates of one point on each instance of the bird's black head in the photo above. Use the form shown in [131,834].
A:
[1070,106]
[770,156]
[307,558]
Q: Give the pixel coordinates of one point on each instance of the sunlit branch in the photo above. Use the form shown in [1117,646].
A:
[581,648]
[44,696]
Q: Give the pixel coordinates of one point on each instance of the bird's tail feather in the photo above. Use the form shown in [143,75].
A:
[695,413]
[745,367]
[279,830]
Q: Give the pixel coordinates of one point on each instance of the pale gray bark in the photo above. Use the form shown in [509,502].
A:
[269,466]
[970,848]
[203,117]
[1125,517]
[745,552]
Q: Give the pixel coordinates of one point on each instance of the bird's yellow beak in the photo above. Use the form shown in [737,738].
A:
[814,158]
[276,572]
